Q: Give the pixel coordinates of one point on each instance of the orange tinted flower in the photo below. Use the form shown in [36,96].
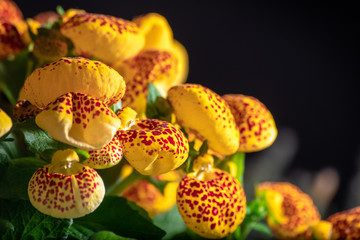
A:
[346,224]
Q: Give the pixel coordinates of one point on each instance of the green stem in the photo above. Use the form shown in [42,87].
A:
[119,187]
[241,167]
[8,93]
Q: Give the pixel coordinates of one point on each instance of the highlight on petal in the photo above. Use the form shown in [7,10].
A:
[211,202]
[207,115]
[162,68]
[69,13]
[346,224]
[255,122]
[79,120]
[153,147]
[105,157]
[24,110]
[5,123]
[127,117]
[66,188]
[10,39]
[294,212]
[112,39]
[66,75]
[150,198]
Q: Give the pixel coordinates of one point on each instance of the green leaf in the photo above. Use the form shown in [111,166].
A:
[12,75]
[39,141]
[5,226]
[106,235]
[122,217]
[15,175]
[171,222]
[263,228]
[31,224]
[157,107]
[60,10]
[239,159]
[204,148]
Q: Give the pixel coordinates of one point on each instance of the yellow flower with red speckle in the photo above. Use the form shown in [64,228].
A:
[294,215]
[206,114]
[153,146]
[66,188]
[346,224]
[256,124]
[211,202]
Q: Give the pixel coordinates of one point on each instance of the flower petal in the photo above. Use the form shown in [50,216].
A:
[214,206]
[112,39]
[81,75]
[346,224]
[66,188]
[297,209]
[79,120]
[105,157]
[162,68]
[153,147]
[255,122]
[5,123]
[207,114]
[147,196]
[10,40]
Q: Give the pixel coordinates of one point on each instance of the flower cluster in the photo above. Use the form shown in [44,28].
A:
[110,94]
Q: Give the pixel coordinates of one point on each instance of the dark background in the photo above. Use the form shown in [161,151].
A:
[300,59]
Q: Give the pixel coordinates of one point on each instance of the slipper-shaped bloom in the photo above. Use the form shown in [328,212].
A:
[79,120]
[161,68]
[5,123]
[150,198]
[50,47]
[10,39]
[153,147]
[211,202]
[346,224]
[293,213]
[207,115]
[106,37]
[105,157]
[78,75]
[66,188]
[255,122]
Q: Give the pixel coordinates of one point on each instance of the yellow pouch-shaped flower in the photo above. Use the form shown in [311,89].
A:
[105,157]
[106,37]
[255,122]
[211,202]
[293,212]
[79,120]
[65,188]
[78,75]
[153,147]
[346,224]
[5,123]
[207,115]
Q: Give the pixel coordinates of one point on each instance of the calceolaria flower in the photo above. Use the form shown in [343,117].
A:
[106,37]
[256,124]
[153,146]
[5,123]
[66,188]
[149,197]
[50,47]
[162,61]
[75,95]
[211,202]
[346,224]
[10,39]
[206,114]
[293,214]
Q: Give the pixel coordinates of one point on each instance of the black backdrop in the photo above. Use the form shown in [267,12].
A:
[300,59]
